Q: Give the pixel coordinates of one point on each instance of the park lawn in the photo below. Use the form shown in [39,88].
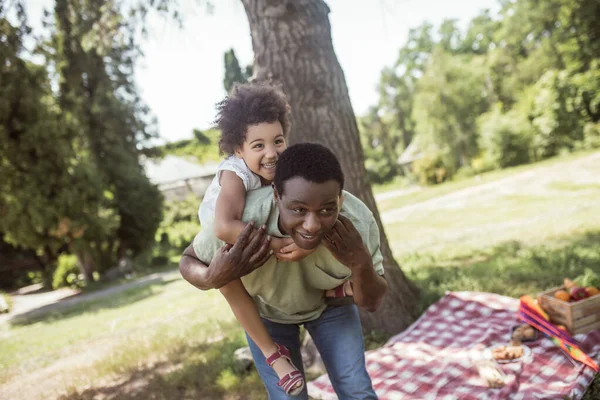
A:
[167,337]
[430,192]
[170,340]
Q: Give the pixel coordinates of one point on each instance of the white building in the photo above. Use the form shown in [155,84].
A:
[177,177]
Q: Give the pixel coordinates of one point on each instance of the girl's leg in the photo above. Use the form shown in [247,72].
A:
[289,336]
[246,312]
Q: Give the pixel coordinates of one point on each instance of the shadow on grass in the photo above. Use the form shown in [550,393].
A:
[75,305]
[510,269]
[593,392]
[202,371]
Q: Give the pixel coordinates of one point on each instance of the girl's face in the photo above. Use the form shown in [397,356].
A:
[260,151]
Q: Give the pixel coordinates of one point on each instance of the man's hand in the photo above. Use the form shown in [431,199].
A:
[249,252]
[346,244]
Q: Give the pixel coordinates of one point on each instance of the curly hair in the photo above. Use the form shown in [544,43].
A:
[311,161]
[249,104]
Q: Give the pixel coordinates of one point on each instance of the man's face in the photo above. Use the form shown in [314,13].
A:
[308,210]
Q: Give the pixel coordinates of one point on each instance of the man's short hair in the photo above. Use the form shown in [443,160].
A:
[246,105]
[311,161]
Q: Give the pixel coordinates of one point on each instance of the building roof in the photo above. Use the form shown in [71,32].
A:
[172,168]
[410,154]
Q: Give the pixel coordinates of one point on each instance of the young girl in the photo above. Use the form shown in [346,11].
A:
[254,123]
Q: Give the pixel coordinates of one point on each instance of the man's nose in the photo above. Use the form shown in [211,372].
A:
[312,223]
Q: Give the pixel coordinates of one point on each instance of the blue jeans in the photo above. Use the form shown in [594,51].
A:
[337,333]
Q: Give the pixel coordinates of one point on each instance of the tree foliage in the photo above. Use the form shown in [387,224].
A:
[233,71]
[535,63]
[202,148]
[71,130]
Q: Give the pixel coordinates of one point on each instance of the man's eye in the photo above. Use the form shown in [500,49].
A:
[327,211]
[298,210]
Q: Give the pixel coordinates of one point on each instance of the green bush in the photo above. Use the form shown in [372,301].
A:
[67,272]
[588,278]
[591,136]
[378,145]
[379,169]
[202,148]
[505,138]
[432,168]
[555,115]
[465,172]
[482,163]
[176,231]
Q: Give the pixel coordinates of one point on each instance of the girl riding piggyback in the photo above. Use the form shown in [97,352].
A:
[254,121]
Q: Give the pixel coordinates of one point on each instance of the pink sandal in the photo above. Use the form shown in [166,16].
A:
[343,290]
[288,382]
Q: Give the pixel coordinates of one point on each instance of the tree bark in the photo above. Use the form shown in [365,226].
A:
[86,265]
[293,47]
[47,262]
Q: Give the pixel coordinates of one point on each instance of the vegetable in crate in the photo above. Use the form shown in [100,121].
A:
[562,295]
[578,293]
[592,291]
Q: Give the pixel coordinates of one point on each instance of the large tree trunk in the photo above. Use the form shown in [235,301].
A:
[292,46]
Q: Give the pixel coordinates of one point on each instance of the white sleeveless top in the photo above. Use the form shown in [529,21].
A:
[251,181]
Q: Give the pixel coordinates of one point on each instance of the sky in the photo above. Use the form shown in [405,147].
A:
[181,74]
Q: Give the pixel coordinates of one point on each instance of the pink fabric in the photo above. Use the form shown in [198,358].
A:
[430,359]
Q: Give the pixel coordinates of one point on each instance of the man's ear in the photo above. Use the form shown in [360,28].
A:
[276,196]
[341,200]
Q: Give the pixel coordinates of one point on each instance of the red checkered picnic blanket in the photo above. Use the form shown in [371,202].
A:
[430,360]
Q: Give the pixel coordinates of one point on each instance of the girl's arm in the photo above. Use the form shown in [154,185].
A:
[228,218]
[230,207]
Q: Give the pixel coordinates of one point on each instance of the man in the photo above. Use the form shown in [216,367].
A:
[309,205]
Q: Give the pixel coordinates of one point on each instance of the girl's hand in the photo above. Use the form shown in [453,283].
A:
[286,250]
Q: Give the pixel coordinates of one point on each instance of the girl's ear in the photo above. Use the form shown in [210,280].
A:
[238,152]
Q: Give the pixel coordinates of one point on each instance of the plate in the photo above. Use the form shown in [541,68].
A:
[526,354]
[533,339]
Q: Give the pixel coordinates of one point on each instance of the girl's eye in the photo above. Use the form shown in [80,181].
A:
[258,146]
[279,141]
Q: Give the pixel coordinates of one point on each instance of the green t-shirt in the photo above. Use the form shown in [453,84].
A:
[293,292]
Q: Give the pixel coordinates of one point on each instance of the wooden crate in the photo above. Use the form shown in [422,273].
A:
[582,316]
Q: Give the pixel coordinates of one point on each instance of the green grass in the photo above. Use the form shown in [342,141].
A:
[430,192]
[7,299]
[189,369]
[399,182]
[511,268]
[140,330]
[546,203]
